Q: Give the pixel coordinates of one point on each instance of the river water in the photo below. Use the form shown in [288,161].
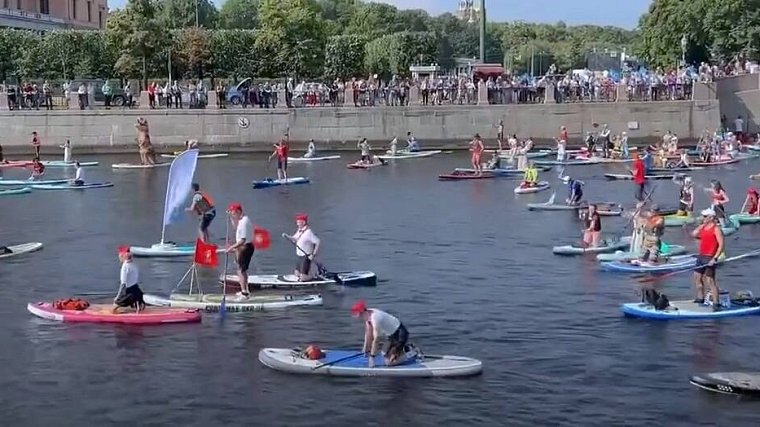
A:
[465,265]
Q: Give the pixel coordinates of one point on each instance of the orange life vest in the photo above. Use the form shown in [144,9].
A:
[71,304]
[205,204]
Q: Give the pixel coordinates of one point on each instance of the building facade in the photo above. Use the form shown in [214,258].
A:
[49,15]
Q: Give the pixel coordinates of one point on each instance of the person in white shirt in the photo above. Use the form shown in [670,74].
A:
[739,128]
[79,177]
[243,246]
[377,325]
[129,294]
[307,246]
[66,151]
[394,146]
[311,150]
[412,145]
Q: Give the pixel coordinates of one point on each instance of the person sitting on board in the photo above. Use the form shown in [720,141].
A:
[590,144]
[394,146]
[412,145]
[683,161]
[685,196]
[711,248]
[495,162]
[281,150]
[307,245]
[575,188]
[379,324]
[476,148]
[4,250]
[592,228]
[38,169]
[719,201]
[751,204]
[530,178]
[311,150]
[203,206]
[129,294]
[66,151]
[79,177]
[654,228]
[191,144]
[366,150]
[243,247]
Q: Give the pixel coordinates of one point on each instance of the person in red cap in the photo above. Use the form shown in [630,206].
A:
[751,203]
[379,324]
[129,294]
[243,246]
[307,246]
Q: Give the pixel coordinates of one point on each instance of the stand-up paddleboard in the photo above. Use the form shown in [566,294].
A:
[63,164]
[455,176]
[606,246]
[200,156]
[628,177]
[716,163]
[67,186]
[675,169]
[601,159]
[731,226]
[165,250]
[744,218]
[565,163]
[541,186]
[409,155]
[213,302]
[361,165]
[32,182]
[269,182]
[532,155]
[502,171]
[103,313]
[737,383]
[679,220]
[14,191]
[675,263]
[311,159]
[688,309]
[16,164]
[351,363]
[290,281]
[136,166]
[603,209]
[754,177]
[629,256]
[24,248]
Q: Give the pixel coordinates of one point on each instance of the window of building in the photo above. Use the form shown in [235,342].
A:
[45,7]
[100,18]
[5,4]
[74,9]
[89,11]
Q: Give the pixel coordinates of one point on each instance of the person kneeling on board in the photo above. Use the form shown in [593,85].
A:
[311,150]
[412,145]
[711,247]
[379,324]
[495,162]
[243,247]
[592,227]
[129,294]
[576,192]
[38,169]
[654,228]
[751,203]
[79,177]
[307,246]
[530,178]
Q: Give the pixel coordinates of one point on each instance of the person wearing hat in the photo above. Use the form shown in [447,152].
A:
[243,246]
[307,245]
[477,148]
[377,325]
[203,206]
[129,293]
[751,204]
[711,247]
[686,197]
[654,228]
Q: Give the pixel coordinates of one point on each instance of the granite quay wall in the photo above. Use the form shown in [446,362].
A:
[738,96]
[103,131]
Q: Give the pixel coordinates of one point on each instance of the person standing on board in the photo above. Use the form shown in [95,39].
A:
[719,200]
[36,144]
[281,150]
[394,146]
[307,245]
[751,204]
[686,198]
[654,228]
[562,144]
[604,139]
[639,176]
[476,148]
[711,247]
[147,154]
[366,150]
[377,325]
[66,151]
[203,206]
[593,228]
[129,293]
[739,128]
[243,247]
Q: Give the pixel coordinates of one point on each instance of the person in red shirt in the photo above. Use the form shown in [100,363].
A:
[639,176]
[36,144]
[711,248]
[751,203]
[281,150]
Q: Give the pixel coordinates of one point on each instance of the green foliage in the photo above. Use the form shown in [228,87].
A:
[239,15]
[232,53]
[139,35]
[194,51]
[181,13]
[344,56]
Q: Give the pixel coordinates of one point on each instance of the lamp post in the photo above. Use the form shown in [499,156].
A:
[483,31]
[684,43]
[196,13]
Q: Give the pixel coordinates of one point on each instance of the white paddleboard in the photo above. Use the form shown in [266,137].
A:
[200,156]
[22,249]
[409,155]
[311,159]
[137,166]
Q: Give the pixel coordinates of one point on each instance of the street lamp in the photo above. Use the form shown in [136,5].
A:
[684,43]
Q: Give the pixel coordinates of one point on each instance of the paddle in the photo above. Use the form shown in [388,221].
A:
[342,359]
[223,306]
[650,279]
[320,267]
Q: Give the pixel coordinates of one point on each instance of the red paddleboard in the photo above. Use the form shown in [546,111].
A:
[16,164]
[360,165]
[456,175]
[101,313]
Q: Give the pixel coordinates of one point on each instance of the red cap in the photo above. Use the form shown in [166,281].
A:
[302,217]
[235,207]
[752,190]
[123,249]
[359,307]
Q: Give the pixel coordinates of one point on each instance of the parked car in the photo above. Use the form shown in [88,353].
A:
[118,98]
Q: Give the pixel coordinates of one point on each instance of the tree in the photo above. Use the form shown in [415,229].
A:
[663,27]
[232,53]
[374,20]
[182,13]
[194,51]
[140,36]
[239,15]
[344,56]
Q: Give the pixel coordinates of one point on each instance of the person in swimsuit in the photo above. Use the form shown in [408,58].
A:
[476,148]
[562,145]
[751,204]
[592,228]
[654,228]
[500,132]
[530,179]
[575,195]
[377,325]
[307,245]
[129,293]
[366,150]
[38,169]
[281,150]
[203,206]
[711,247]
[147,153]
[719,200]
[79,177]
[311,150]
[686,197]
[412,145]
[243,246]
[36,144]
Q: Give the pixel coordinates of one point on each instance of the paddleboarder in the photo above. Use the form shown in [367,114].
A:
[307,245]
[191,144]
[719,200]
[495,162]
[79,177]
[38,169]
[394,146]
[654,228]
[592,227]
[685,197]
[311,150]
[379,324]
[129,293]
[751,204]
[36,144]
[243,247]
[412,145]
[281,150]
[639,176]
[575,195]
[203,206]
[366,151]
[66,151]
[147,154]
[711,247]
[530,178]
[476,148]
[562,144]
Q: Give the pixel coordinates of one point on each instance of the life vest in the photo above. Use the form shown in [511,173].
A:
[313,352]
[531,175]
[685,194]
[71,304]
[205,204]
[654,226]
